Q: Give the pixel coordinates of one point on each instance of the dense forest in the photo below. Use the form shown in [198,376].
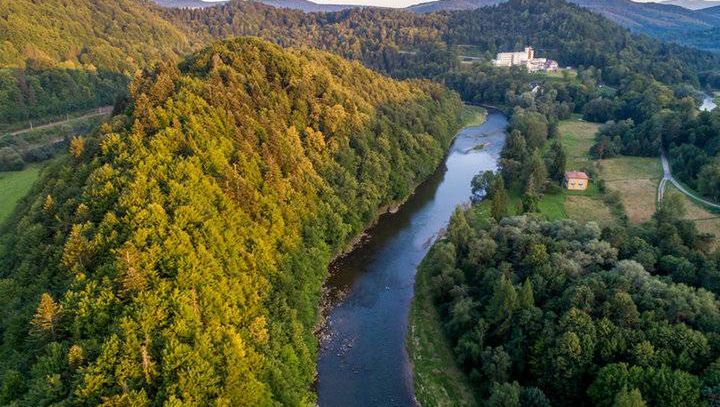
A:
[177,255]
[396,42]
[645,84]
[85,57]
[557,313]
[63,56]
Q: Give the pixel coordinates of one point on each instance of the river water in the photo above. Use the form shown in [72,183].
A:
[708,103]
[363,360]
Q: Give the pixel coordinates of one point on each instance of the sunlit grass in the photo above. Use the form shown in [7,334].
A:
[14,186]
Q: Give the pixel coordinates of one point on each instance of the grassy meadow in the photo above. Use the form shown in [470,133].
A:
[14,186]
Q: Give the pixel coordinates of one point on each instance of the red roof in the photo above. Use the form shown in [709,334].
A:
[576,175]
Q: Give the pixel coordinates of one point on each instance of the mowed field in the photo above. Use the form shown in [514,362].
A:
[636,179]
[14,186]
[577,136]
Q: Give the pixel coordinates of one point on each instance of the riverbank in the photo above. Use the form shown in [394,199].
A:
[472,116]
[363,358]
[437,378]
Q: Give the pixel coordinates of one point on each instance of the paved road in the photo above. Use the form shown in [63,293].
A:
[99,112]
[667,177]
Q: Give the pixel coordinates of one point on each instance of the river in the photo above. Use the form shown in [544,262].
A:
[363,360]
[708,103]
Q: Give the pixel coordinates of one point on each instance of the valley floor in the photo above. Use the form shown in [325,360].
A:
[628,194]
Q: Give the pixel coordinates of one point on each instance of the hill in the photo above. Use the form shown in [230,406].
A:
[641,17]
[59,56]
[451,5]
[192,4]
[666,21]
[406,44]
[306,5]
[650,18]
[177,256]
[713,11]
[691,4]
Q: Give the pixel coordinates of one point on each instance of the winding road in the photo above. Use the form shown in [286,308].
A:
[707,105]
[667,177]
[101,111]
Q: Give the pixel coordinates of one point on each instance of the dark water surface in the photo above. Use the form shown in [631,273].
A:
[708,103]
[363,360]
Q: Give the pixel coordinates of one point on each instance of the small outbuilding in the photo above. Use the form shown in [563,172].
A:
[576,181]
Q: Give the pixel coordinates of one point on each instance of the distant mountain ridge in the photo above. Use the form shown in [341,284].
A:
[671,20]
[304,5]
[641,17]
[650,18]
[452,5]
[187,3]
[692,4]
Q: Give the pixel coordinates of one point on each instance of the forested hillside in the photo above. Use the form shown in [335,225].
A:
[651,82]
[404,44]
[60,56]
[177,255]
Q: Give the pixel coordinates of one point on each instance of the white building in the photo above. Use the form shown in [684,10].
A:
[527,59]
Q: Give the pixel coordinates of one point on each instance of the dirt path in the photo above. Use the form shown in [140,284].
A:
[101,111]
[667,177]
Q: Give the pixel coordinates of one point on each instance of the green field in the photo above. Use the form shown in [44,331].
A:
[14,186]
[562,73]
[437,379]
[577,136]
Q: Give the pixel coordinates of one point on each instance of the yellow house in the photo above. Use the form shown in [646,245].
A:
[576,180]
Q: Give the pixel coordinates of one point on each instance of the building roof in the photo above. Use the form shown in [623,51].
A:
[576,175]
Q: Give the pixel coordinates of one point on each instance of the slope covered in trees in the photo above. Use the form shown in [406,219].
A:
[408,45]
[541,313]
[177,256]
[59,56]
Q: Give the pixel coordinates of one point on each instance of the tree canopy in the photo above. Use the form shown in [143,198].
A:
[177,255]
[568,314]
